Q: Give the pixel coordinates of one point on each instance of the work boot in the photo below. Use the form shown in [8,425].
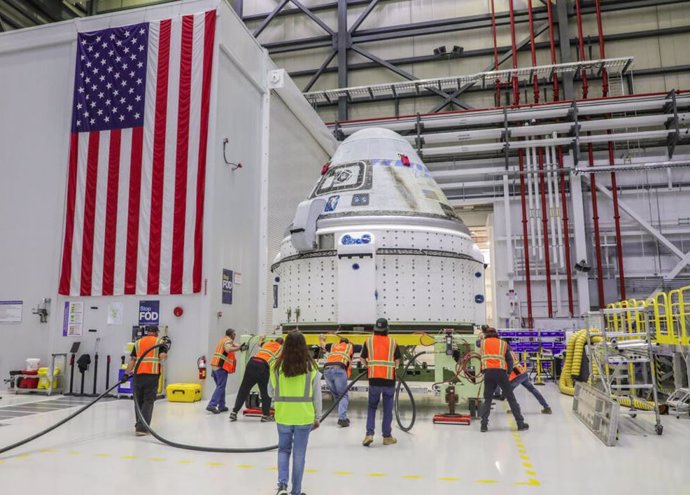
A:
[343,423]
[233,416]
[213,409]
[267,419]
[223,409]
[368,440]
[546,410]
[523,427]
[389,440]
[282,489]
[141,433]
[484,428]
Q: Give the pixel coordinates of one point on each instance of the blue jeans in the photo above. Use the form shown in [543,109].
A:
[524,380]
[292,439]
[336,379]
[220,376]
[375,394]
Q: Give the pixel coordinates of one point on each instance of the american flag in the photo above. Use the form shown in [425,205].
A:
[137,161]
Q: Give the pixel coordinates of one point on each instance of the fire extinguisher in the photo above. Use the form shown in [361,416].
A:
[201,364]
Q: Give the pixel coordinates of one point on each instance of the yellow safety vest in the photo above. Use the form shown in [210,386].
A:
[293,398]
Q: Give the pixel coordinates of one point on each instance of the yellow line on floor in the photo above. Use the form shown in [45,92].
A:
[311,470]
[184,461]
[244,466]
[339,473]
[446,478]
[530,482]
[103,455]
[527,465]
[128,457]
[376,475]
[413,477]
[156,459]
[486,482]
[214,464]
[531,473]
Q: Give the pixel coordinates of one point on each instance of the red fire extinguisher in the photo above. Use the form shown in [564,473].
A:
[201,364]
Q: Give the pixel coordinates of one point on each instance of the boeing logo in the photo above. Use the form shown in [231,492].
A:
[349,240]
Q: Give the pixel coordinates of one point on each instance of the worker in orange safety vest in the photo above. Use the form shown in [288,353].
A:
[519,376]
[496,361]
[258,372]
[223,362]
[381,355]
[337,370]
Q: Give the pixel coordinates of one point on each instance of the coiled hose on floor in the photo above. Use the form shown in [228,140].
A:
[225,450]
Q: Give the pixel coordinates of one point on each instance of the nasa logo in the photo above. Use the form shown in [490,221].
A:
[349,240]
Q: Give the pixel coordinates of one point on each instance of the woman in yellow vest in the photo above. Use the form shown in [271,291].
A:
[296,389]
[223,363]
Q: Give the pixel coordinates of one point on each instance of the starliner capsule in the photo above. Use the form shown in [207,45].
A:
[377,238]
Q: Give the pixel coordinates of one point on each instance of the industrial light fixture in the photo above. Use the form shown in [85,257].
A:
[582,266]
[442,51]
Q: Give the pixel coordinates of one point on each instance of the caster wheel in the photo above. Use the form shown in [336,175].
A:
[659,429]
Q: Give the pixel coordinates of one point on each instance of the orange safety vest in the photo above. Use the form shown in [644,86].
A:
[517,365]
[228,358]
[341,353]
[381,357]
[151,364]
[269,352]
[494,354]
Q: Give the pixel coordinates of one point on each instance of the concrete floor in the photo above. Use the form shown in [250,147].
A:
[98,453]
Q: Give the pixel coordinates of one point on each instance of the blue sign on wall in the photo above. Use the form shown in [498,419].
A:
[227,286]
[149,312]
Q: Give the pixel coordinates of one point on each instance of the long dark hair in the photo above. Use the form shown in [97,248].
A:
[295,359]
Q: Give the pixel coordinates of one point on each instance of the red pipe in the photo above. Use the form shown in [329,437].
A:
[566,235]
[545,226]
[581,42]
[597,237]
[552,40]
[614,185]
[535,78]
[493,30]
[516,86]
[525,238]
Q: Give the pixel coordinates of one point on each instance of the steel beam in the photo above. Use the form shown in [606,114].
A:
[270,17]
[238,6]
[321,70]
[363,16]
[678,268]
[342,43]
[314,17]
[565,41]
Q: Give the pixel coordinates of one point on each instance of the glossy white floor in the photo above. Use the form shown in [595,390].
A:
[98,453]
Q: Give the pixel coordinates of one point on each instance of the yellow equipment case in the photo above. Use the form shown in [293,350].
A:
[183,392]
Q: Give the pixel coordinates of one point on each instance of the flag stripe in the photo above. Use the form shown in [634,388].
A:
[182,154]
[99,214]
[133,208]
[110,239]
[75,285]
[121,207]
[209,34]
[66,275]
[158,173]
[89,213]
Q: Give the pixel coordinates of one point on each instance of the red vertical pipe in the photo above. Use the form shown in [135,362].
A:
[597,237]
[535,78]
[581,43]
[493,31]
[614,185]
[525,238]
[552,40]
[566,234]
[516,86]
[545,225]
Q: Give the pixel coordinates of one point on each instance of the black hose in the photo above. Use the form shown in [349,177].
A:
[403,383]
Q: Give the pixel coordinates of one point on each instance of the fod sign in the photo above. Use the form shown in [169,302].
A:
[149,312]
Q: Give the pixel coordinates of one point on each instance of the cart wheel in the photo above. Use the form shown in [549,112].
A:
[659,429]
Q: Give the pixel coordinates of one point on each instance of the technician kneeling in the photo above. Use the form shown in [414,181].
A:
[148,374]
[296,389]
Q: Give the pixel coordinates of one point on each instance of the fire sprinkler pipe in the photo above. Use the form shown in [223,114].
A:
[493,30]
[535,226]
[566,235]
[581,44]
[516,84]
[597,235]
[614,188]
[552,40]
[545,224]
[552,206]
[525,238]
[535,78]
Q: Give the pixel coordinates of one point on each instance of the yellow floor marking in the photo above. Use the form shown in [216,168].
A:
[23,456]
[522,451]
[413,477]
[216,464]
[156,459]
[531,473]
[530,482]
[128,457]
[272,469]
[311,470]
[103,455]
[486,482]
[184,461]
[524,458]
[343,473]
[527,465]
[2,462]
[376,475]
[49,451]
[244,466]
[449,479]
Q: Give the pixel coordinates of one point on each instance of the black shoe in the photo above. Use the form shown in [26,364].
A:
[213,409]
[267,419]
[344,423]
[282,490]
[546,410]
[484,428]
[500,397]
[523,427]
[223,409]
[233,416]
